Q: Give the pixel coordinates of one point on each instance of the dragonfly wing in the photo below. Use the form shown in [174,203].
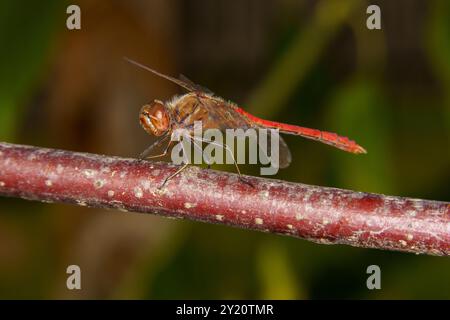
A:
[265,153]
[217,114]
[194,86]
[188,85]
[265,148]
[222,116]
[285,154]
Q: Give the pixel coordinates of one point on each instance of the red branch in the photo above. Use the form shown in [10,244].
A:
[320,214]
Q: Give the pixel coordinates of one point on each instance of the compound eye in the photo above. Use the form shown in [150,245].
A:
[154,118]
[159,114]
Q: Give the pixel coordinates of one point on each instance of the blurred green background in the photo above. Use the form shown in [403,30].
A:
[312,63]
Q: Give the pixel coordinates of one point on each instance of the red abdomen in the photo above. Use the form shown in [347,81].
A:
[329,138]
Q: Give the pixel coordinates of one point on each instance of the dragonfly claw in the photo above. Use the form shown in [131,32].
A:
[247,182]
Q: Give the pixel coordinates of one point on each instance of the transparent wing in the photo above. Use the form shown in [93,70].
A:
[261,144]
[222,116]
[266,152]
[189,86]
[193,85]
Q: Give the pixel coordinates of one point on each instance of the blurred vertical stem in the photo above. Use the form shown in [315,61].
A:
[292,67]
[439,50]
[26,30]
[360,111]
[277,278]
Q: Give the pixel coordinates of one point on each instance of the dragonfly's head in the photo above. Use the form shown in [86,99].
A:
[155,118]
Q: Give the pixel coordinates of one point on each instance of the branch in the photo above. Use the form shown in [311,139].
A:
[320,214]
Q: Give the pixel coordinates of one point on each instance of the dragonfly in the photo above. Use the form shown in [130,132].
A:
[160,119]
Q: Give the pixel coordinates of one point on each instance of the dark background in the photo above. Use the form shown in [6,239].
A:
[312,63]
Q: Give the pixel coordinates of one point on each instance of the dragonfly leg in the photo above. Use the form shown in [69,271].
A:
[186,163]
[224,145]
[199,148]
[237,167]
[162,154]
[146,152]
[173,175]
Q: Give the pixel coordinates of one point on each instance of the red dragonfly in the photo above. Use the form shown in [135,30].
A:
[199,104]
